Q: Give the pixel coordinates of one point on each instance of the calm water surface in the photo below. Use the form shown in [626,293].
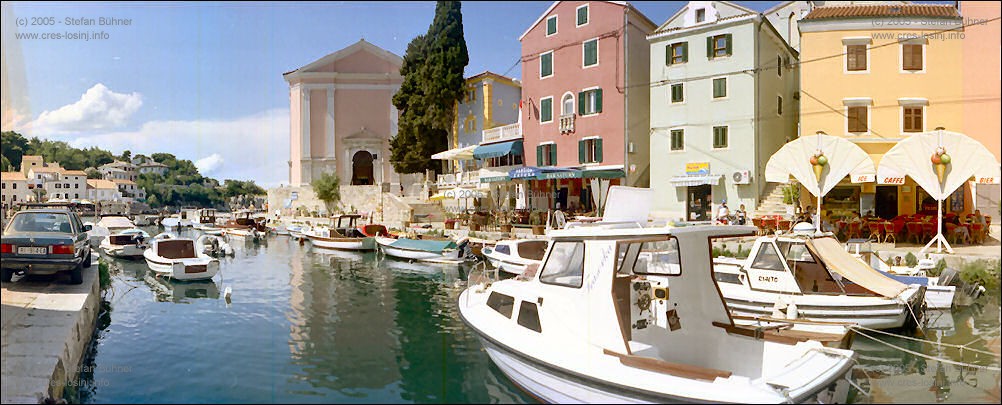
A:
[313,325]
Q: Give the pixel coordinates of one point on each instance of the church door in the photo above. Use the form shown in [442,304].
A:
[361,168]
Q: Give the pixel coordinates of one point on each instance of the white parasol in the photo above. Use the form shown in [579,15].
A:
[802,159]
[921,157]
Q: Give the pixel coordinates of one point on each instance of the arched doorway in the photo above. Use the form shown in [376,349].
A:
[361,169]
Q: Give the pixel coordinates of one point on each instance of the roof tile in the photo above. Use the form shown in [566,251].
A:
[884,10]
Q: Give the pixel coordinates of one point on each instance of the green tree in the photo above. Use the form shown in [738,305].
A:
[13,146]
[126,156]
[433,84]
[328,189]
[5,165]
[93,173]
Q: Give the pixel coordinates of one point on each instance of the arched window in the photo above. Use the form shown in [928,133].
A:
[568,104]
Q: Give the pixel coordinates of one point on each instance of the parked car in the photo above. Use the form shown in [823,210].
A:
[45,241]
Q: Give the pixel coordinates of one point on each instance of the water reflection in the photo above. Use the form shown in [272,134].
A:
[181,292]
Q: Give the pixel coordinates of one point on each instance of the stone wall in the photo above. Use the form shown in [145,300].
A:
[355,199]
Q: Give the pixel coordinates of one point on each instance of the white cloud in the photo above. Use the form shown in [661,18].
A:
[209,164]
[253,147]
[99,108]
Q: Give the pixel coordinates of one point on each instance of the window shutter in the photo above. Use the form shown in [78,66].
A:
[581,103]
[539,155]
[553,154]
[668,55]
[728,42]
[598,149]
[598,100]
[709,47]
[581,151]
[685,51]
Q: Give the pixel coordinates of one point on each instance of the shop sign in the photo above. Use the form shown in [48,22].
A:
[987,180]
[697,168]
[523,172]
[893,180]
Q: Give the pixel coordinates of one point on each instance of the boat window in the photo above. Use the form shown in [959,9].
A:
[768,258]
[565,265]
[798,252]
[503,249]
[528,316]
[651,257]
[501,303]
[727,278]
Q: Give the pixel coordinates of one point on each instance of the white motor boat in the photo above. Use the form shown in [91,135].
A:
[345,234]
[242,233]
[213,245]
[128,243]
[512,256]
[115,223]
[296,231]
[171,223]
[632,315]
[179,259]
[211,230]
[812,277]
[426,250]
[143,220]
[96,234]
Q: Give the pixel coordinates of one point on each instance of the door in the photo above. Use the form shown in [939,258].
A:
[361,168]
[886,202]
[698,203]
[562,198]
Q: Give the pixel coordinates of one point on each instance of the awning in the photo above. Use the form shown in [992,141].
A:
[489,176]
[603,173]
[498,149]
[544,173]
[464,153]
[711,179]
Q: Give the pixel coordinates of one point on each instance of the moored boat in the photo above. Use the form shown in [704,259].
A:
[345,235]
[663,335]
[426,250]
[213,245]
[127,243]
[178,259]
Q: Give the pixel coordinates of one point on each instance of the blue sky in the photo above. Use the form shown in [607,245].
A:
[204,81]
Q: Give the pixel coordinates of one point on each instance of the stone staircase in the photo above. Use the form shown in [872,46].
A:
[771,202]
[424,211]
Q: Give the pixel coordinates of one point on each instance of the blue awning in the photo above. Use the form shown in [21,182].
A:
[498,149]
[544,173]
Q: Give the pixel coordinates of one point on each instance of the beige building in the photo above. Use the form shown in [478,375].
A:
[102,190]
[130,191]
[14,187]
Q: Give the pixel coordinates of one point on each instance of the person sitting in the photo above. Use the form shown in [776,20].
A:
[826,225]
[979,219]
[723,213]
[856,217]
[742,215]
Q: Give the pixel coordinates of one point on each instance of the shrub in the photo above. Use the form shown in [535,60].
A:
[104,274]
[936,271]
[985,272]
[911,260]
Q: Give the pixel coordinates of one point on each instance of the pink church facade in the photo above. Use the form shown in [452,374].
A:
[342,116]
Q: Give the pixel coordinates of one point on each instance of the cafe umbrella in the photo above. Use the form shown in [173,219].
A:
[819,162]
[940,162]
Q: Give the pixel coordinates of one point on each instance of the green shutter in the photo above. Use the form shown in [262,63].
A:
[547,106]
[728,46]
[598,150]
[581,151]
[583,15]
[539,155]
[709,47]
[668,55]
[551,28]
[581,103]
[553,154]
[598,100]
[591,53]
[685,51]
[546,65]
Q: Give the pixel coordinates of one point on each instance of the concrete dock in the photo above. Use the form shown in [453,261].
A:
[47,325]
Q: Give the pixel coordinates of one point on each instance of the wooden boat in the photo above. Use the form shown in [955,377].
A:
[345,235]
[127,243]
[426,250]
[813,277]
[600,321]
[178,259]
[513,256]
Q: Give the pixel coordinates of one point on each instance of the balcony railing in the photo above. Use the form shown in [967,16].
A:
[567,123]
[470,178]
[497,134]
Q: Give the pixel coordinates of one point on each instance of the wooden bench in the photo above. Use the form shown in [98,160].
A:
[661,366]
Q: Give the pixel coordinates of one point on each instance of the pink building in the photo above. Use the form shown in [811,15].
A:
[342,117]
[586,114]
[982,64]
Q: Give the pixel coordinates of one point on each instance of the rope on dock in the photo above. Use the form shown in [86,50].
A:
[928,357]
[959,347]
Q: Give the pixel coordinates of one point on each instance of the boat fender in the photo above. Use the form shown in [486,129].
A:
[777,309]
[791,311]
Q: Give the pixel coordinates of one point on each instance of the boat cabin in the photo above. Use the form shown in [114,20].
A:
[526,249]
[207,216]
[802,264]
[176,249]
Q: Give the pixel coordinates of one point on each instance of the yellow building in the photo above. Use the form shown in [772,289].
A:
[876,74]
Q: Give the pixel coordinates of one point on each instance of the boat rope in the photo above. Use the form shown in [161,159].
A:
[959,347]
[928,357]
[918,323]
[983,338]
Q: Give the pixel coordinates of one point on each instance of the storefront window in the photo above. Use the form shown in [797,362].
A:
[842,201]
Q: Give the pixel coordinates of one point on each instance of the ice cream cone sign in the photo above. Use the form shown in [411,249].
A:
[939,161]
[818,163]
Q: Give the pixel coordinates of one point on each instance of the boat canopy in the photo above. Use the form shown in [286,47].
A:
[436,246]
[841,262]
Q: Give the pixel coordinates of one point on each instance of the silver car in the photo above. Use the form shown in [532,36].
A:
[45,241]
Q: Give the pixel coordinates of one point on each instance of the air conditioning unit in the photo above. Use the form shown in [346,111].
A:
[741,177]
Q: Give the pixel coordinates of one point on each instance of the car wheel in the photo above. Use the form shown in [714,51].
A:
[86,262]
[7,275]
[76,275]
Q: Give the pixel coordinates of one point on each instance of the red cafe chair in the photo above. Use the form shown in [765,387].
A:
[914,231]
[889,232]
[875,231]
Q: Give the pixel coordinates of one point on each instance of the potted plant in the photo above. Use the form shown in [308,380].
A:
[450,221]
[505,221]
[536,220]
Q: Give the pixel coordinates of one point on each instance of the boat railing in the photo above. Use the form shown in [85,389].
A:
[615,224]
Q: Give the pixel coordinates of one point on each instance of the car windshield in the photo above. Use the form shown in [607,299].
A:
[40,222]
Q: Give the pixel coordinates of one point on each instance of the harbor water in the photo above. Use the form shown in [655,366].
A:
[304,324]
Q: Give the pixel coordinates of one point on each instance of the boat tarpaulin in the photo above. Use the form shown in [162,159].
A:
[436,246]
[843,263]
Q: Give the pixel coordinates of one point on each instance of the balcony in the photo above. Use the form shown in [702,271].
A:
[464,179]
[504,133]
[567,123]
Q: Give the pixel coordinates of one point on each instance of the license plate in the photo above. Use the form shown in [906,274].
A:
[32,250]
